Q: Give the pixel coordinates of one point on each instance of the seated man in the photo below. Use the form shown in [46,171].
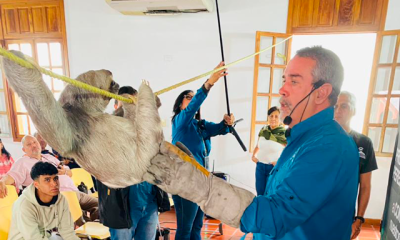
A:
[42,212]
[43,144]
[66,161]
[19,175]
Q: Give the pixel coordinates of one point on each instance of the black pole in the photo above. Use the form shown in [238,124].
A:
[231,128]
[223,59]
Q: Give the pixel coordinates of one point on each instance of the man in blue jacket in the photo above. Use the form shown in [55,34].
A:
[311,192]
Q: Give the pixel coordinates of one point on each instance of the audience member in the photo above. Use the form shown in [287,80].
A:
[41,212]
[6,161]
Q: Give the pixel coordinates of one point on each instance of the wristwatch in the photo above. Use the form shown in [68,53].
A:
[361,219]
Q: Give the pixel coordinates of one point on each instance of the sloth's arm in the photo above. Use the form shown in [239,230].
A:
[148,122]
[46,113]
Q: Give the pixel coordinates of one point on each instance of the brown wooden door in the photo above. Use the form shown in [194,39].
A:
[312,16]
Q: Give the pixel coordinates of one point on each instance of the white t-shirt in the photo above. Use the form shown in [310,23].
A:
[269,151]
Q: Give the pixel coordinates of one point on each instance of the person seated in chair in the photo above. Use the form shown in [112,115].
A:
[19,175]
[66,161]
[41,212]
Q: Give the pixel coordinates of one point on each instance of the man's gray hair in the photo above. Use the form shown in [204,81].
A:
[351,97]
[25,137]
[328,68]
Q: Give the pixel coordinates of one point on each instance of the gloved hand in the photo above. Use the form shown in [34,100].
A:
[175,172]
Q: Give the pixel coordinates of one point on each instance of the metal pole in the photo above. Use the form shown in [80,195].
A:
[231,128]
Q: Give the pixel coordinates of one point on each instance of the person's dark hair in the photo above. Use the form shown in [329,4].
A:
[43,168]
[4,151]
[273,109]
[127,89]
[177,105]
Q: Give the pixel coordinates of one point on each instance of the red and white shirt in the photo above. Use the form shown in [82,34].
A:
[5,164]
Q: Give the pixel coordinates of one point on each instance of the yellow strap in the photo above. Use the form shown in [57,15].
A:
[76,83]
[183,156]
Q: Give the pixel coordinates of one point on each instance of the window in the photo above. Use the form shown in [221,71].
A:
[37,29]
[382,113]
[268,71]
[48,54]
[5,128]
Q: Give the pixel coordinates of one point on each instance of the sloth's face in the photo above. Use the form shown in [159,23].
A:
[105,79]
[114,87]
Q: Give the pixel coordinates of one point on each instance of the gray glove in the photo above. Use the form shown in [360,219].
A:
[177,173]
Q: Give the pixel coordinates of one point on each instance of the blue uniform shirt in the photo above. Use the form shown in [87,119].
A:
[185,128]
[311,193]
[141,195]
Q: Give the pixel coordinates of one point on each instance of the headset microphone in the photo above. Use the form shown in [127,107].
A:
[288,119]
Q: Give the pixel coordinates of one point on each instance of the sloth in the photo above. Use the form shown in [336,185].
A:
[116,150]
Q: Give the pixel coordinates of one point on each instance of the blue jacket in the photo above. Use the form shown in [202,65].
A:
[191,133]
[141,195]
[311,193]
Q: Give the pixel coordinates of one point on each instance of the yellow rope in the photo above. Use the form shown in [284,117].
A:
[27,64]
[217,69]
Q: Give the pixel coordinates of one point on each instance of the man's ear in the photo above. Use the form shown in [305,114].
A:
[36,183]
[323,93]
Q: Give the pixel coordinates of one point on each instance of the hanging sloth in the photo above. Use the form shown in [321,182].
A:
[116,150]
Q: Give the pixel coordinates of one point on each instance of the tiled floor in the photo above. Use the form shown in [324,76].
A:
[168,219]
[211,231]
[369,232]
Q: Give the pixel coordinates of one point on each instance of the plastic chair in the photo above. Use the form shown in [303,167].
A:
[80,175]
[73,204]
[6,211]
[90,229]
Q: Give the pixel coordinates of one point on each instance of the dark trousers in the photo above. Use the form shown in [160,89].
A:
[189,218]
[262,174]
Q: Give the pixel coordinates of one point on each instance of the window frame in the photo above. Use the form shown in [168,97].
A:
[272,66]
[371,95]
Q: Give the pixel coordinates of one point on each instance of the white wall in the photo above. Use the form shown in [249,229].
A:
[379,187]
[392,17]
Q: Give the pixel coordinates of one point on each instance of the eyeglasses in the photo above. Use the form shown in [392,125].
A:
[188,97]
[343,106]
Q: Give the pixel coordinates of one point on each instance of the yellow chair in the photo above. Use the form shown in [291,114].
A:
[6,211]
[80,175]
[73,204]
[92,229]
